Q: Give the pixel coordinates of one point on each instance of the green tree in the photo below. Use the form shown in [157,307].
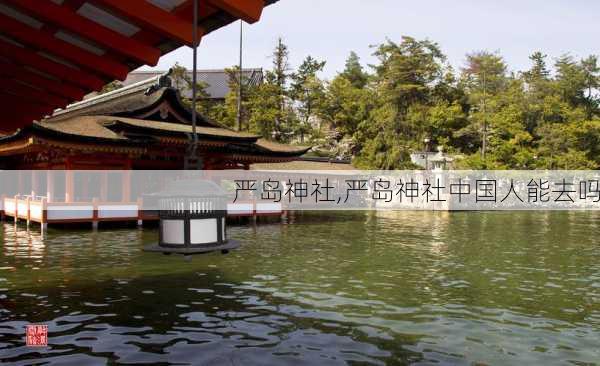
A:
[281,72]
[404,81]
[308,92]
[345,106]
[591,75]
[182,80]
[484,77]
[354,72]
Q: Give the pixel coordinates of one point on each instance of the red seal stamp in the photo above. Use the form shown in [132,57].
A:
[36,335]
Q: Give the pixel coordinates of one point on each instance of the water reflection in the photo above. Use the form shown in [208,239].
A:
[335,288]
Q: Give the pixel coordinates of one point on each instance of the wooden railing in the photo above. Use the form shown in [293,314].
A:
[254,208]
[38,209]
[41,211]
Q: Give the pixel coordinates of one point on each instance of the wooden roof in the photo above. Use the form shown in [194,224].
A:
[137,100]
[53,52]
[149,116]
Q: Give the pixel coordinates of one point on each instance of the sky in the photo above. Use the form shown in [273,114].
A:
[330,29]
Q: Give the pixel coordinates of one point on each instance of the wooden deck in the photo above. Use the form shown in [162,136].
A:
[39,210]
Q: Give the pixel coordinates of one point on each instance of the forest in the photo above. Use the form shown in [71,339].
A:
[484,114]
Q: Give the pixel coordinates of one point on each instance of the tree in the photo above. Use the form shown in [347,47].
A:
[281,68]
[354,73]
[227,112]
[345,106]
[308,91]
[484,76]
[182,80]
[539,72]
[404,81]
[570,80]
[591,75]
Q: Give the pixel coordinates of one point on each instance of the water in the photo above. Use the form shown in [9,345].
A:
[345,288]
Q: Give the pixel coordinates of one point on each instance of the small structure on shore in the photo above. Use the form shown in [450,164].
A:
[432,160]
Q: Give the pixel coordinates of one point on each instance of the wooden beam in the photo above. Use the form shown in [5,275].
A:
[29,93]
[247,10]
[153,18]
[186,10]
[20,113]
[17,106]
[47,42]
[183,11]
[65,18]
[63,72]
[56,87]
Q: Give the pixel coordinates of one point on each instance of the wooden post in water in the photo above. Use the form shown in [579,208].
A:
[140,218]
[44,223]
[3,206]
[16,218]
[28,204]
[95,213]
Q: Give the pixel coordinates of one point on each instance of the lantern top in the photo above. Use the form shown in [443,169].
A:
[192,188]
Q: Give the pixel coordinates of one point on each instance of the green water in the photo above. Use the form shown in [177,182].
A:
[333,288]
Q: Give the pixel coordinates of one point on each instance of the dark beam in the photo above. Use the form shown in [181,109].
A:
[27,57]
[21,107]
[45,41]
[153,18]
[56,87]
[31,94]
[248,10]
[65,18]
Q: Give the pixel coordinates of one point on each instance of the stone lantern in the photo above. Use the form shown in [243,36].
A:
[192,217]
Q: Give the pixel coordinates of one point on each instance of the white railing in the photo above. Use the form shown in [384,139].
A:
[39,210]
[252,208]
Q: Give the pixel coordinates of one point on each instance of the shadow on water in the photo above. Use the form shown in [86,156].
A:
[187,318]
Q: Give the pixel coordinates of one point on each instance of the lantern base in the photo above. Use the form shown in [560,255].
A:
[224,248]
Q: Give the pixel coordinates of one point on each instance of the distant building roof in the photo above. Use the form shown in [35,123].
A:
[217,80]
[305,164]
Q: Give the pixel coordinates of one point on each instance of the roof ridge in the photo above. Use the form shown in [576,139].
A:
[124,91]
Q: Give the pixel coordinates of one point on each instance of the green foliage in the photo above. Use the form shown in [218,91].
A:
[309,93]
[546,117]
[182,80]
[112,86]
[354,72]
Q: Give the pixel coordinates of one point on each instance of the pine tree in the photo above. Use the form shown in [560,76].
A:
[181,79]
[308,92]
[354,72]
[281,68]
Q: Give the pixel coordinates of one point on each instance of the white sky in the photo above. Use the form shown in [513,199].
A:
[330,29]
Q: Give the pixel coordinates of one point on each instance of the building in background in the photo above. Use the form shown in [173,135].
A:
[217,81]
